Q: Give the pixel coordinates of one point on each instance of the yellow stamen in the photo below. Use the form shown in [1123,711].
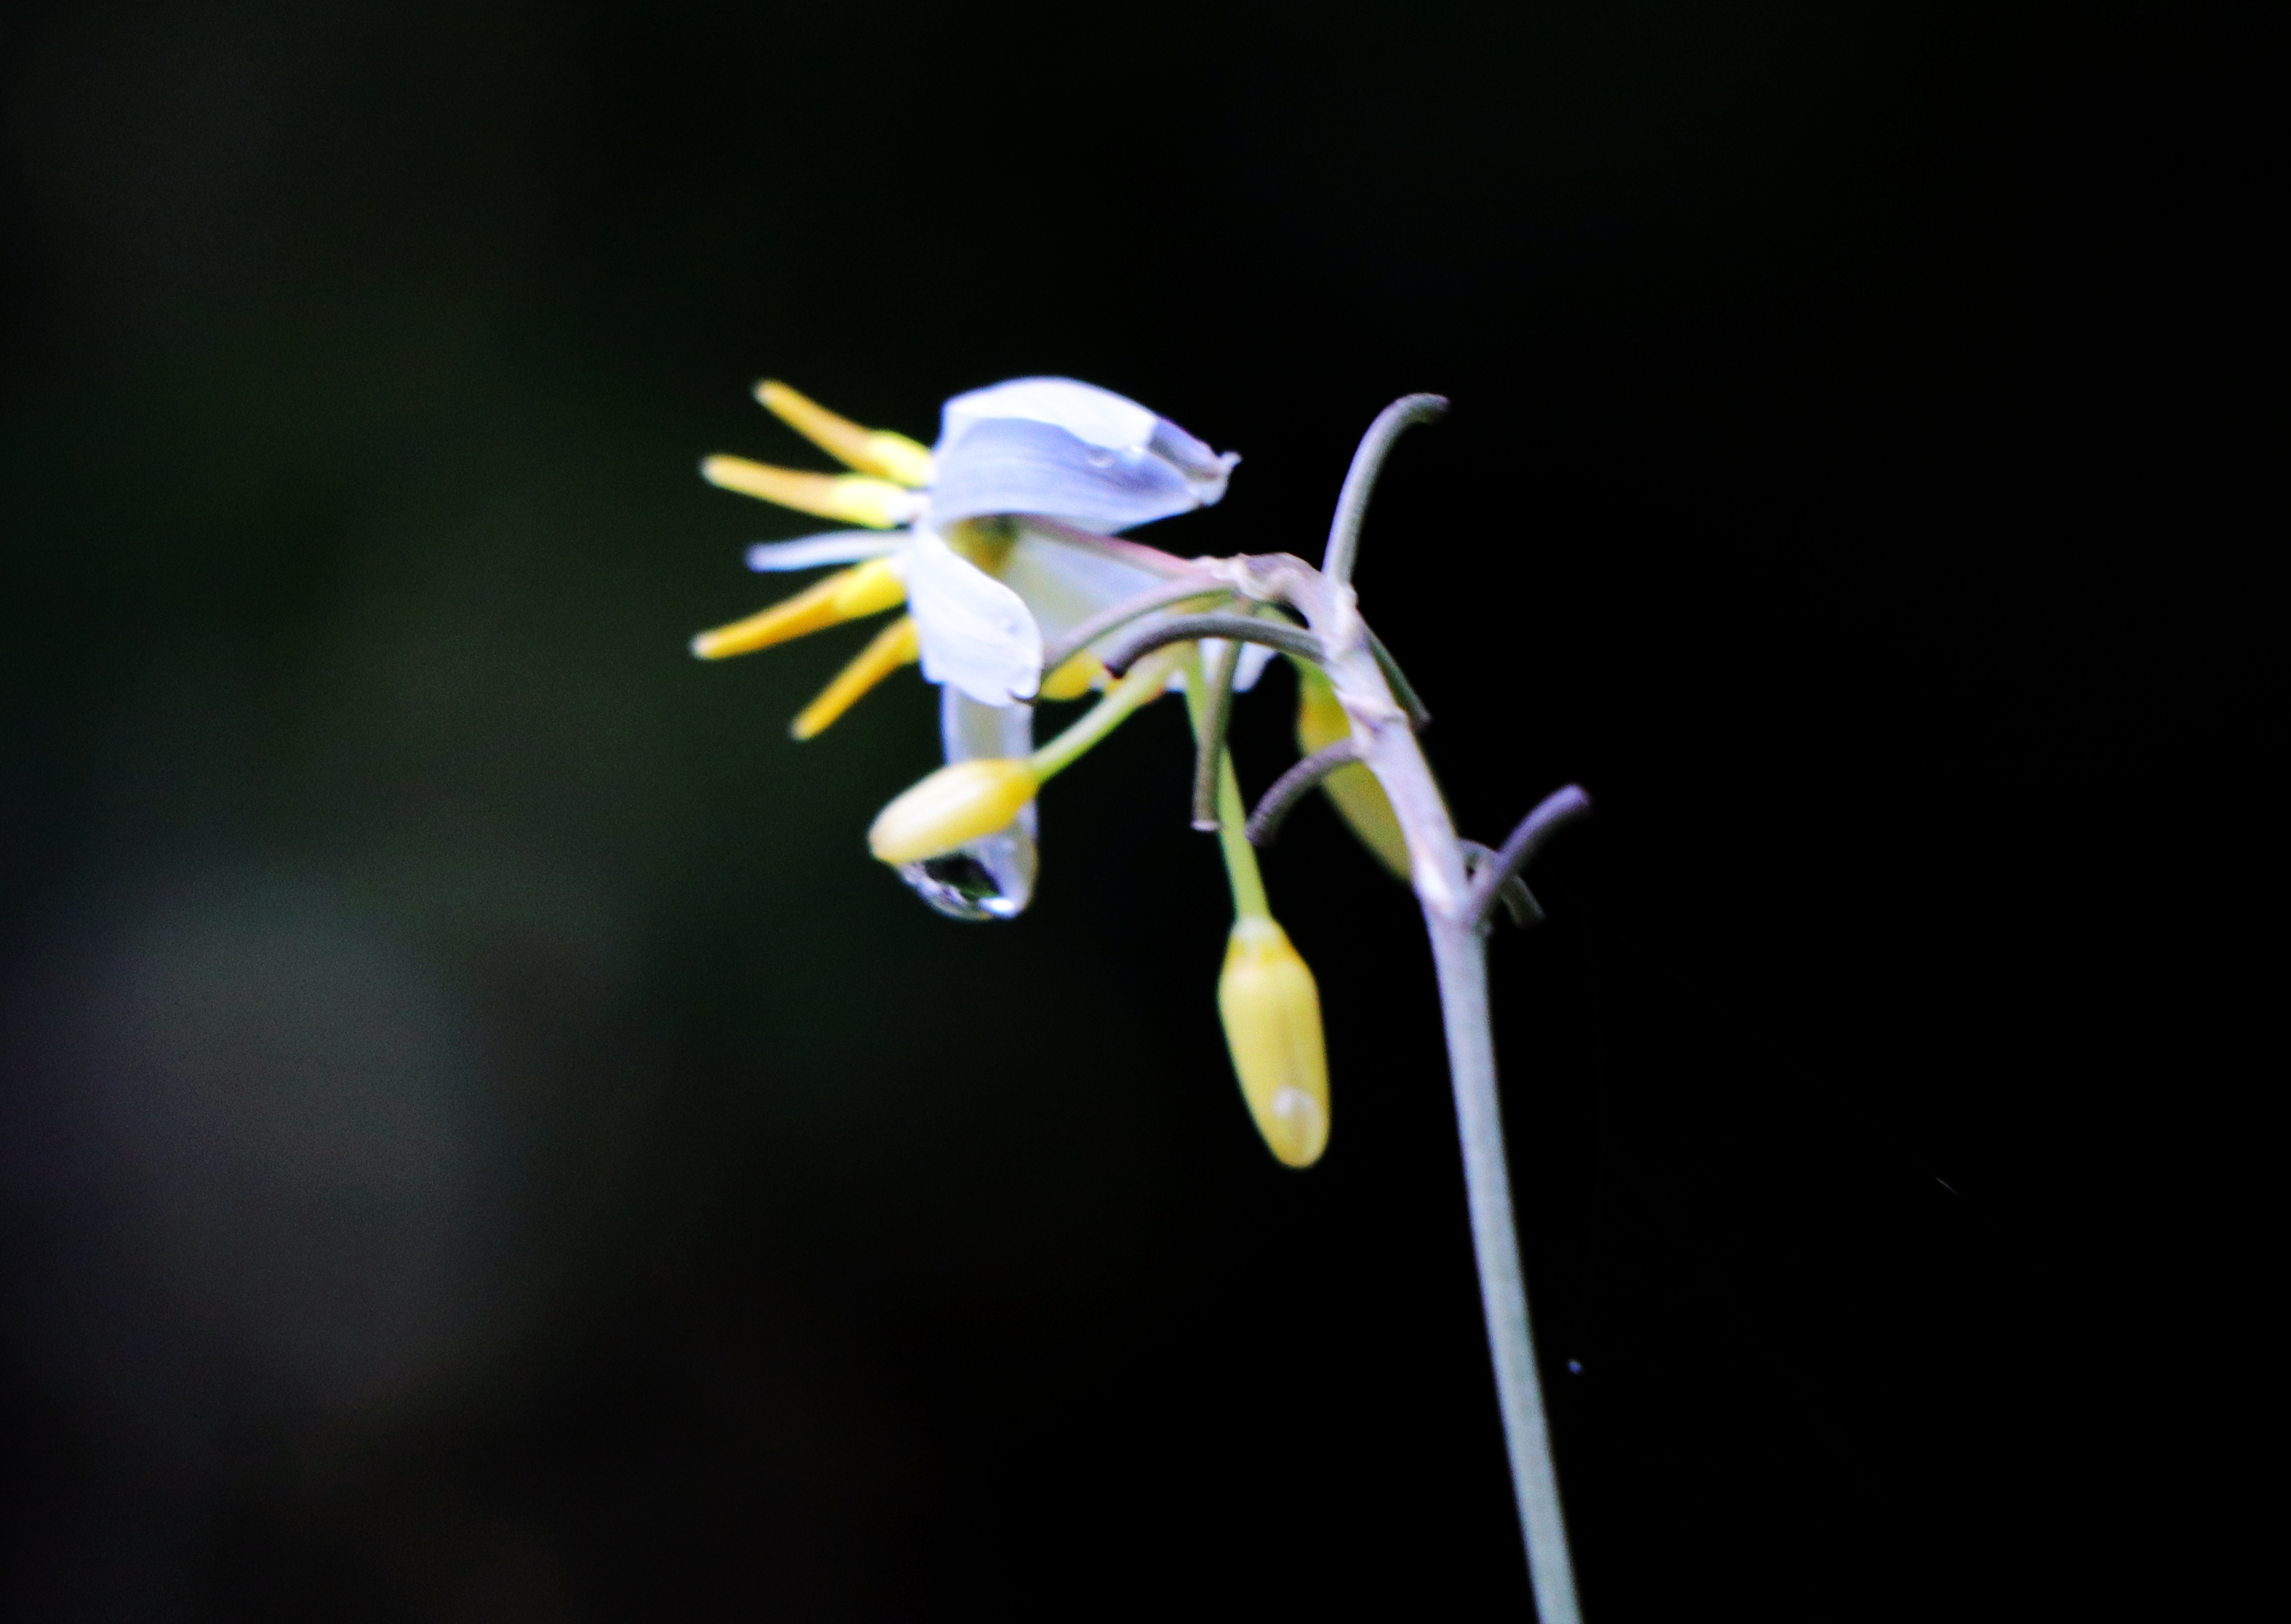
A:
[872,450]
[866,588]
[1322,721]
[1076,677]
[959,802]
[1271,1015]
[853,498]
[894,646]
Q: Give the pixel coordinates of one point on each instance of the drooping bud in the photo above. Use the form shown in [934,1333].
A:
[1321,723]
[1272,1013]
[958,803]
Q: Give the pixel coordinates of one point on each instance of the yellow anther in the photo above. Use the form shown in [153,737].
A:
[1321,723]
[872,450]
[1076,677]
[1272,1013]
[864,589]
[894,646]
[853,498]
[959,802]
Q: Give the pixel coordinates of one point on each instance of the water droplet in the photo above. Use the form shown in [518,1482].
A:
[989,879]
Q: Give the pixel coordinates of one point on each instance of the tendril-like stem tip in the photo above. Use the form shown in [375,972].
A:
[1293,785]
[1553,813]
[1360,480]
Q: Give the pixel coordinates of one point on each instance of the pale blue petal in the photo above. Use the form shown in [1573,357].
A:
[1064,585]
[1016,465]
[835,547]
[975,633]
[1095,416]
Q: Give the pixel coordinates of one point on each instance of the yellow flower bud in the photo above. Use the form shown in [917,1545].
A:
[958,803]
[1074,679]
[1322,721]
[1271,1012]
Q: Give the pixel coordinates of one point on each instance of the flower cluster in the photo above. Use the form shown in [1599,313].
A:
[1000,541]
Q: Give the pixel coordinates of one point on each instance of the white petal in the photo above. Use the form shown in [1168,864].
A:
[836,547]
[1151,468]
[1017,465]
[1064,585]
[975,632]
[1093,415]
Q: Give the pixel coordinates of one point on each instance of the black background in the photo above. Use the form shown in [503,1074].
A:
[484,1140]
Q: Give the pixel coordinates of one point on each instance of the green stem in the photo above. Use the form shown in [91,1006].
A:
[1140,687]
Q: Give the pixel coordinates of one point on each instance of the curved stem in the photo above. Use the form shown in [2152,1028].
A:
[1216,715]
[1293,785]
[1552,813]
[1389,748]
[1360,479]
[1193,628]
[1114,616]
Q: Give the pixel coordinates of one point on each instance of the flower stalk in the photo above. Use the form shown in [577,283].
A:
[1455,913]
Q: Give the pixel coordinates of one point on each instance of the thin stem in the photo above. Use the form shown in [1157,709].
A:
[1193,628]
[1360,479]
[1241,870]
[1553,813]
[1215,714]
[1141,686]
[1293,785]
[1460,953]
[1114,616]
[1402,689]
[1518,901]
[1389,748]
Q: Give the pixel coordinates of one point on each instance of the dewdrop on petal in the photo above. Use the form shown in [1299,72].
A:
[1272,1014]
[957,804]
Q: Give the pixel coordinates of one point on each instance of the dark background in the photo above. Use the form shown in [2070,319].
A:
[483,1142]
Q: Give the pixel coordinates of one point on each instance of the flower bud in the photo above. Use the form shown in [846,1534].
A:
[1272,1013]
[1322,721]
[955,805]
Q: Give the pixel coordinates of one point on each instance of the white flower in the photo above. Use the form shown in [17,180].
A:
[999,538]
[984,598]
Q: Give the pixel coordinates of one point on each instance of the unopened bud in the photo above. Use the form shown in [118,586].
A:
[955,805]
[1271,1012]
[1322,721]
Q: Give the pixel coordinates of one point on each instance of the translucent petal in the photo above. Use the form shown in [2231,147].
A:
[1144,448]
[1015,465]
[1095,416]
[976,633]
[835,547]
[1064,586]
[992,878]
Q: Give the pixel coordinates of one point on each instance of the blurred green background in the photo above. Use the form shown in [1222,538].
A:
[484,1142]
